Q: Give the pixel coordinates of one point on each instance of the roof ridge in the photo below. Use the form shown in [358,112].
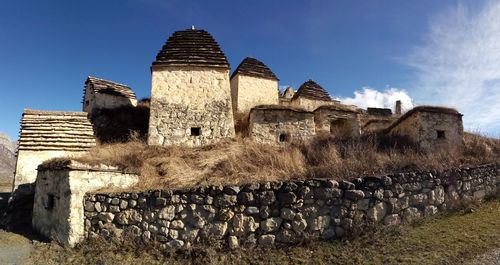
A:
[251,66]
[106,80]
[191,47]
[311,89]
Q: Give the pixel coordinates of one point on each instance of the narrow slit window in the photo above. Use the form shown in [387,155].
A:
[49,201]
[195,131]
[441,134]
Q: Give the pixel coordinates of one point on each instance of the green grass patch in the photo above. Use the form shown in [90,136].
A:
[450,239]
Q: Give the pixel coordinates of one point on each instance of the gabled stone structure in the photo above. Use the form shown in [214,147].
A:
[277,124]
[104,94]
[252,84]
[431,127]
[339,121]
[190,92]
[286,97]
[310,96]
[49,134]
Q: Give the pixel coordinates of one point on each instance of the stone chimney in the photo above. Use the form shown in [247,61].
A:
[398,107]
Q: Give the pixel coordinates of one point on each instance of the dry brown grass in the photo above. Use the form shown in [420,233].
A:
[243,161]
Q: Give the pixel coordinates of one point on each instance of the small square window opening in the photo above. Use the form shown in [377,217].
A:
[441,134]
[195,131]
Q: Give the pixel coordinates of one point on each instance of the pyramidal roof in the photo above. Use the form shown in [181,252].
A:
[110,87]
[253,67]
[55,130]
[312,90]
[191,47]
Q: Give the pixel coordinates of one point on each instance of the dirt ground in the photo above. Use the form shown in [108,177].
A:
[14,248]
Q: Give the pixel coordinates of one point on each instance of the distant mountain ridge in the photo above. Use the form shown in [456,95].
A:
[7,158]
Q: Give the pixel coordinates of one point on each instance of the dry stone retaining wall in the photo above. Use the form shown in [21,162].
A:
[272,213]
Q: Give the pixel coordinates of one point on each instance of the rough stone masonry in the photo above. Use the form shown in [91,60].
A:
[273,213]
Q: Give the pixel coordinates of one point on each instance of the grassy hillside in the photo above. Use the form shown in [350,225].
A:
[243,161]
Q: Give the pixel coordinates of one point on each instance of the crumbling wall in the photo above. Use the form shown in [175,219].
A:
[96,101]
[431,130]
[336,121]
[310,104]
[190,106]
[249,91]
[280,124]
[58,212]
[272,213]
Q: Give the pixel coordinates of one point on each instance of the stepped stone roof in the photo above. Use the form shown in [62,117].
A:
[191,48]
[102,86]
[280,107]
[379,111]
[312,90]
[253,67]
[55,131]
[344,108]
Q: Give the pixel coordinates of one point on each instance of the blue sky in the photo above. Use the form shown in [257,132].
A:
[48,48]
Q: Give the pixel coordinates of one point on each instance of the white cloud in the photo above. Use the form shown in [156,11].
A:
[458,64]
[370,97]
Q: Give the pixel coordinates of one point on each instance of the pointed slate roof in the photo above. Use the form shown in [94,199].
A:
[55,130]
[191,47]
[253,67]
[109,87]
[312,90]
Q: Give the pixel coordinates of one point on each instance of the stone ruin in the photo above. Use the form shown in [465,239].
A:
[431,127]
[190,92]
[253,84]
[49,134]
[194,102]
[310,96]
[101,94]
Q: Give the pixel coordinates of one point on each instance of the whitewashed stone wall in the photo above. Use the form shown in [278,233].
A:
[248,92]
[58,211]
[268,125]
[284,213]
[93,102]
[325,117]
[28,162]
[190,97]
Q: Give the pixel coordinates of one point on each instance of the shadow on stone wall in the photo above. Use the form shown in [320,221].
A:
[122,124]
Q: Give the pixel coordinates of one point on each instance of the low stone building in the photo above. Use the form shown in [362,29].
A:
[310,96]
[431,127]
[49,134]
[275,124]
[375,120]
[58,211]
[337,120]
[104,94]
[190,92]
[252,84]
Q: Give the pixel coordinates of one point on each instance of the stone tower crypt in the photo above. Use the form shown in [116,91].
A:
[190,92]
